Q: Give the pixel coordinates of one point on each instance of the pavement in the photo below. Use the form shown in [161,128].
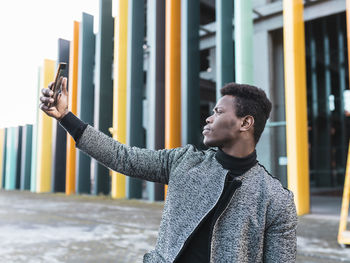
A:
[58,228]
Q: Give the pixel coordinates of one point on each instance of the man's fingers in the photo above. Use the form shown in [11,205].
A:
[45,108]
[47,92]
[50,85]
[46,100]
[64,86]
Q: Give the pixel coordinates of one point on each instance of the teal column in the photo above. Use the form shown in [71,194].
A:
[103,101]
[59,138]
[135,87]
[155,86]
[35,139]
[85,105]
[224,44]
[19,156]
[190,97]
[4,161]
[11,158]
[26,160]
[243,17]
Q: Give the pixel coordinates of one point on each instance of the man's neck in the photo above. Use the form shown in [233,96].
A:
[239,149]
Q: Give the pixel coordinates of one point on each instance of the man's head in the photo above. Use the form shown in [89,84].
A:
[240,114]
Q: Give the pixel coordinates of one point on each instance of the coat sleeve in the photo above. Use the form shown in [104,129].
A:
[145,164]
[280,242]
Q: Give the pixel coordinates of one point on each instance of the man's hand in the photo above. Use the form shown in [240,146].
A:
[60,109]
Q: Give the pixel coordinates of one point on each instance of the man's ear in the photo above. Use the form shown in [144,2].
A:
[247,123]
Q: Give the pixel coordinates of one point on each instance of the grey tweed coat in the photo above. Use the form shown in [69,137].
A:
[258,224]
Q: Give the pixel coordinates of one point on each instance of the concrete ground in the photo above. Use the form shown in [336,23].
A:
[58,228]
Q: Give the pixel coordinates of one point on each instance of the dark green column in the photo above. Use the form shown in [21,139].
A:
[19,156]
[323,173]
[103,107]
[156,86]
[313,82]
[342,143]
[85,96]
[59,138]
[4,160]
[224,44]
[190,99]
[26,160]
[135,87]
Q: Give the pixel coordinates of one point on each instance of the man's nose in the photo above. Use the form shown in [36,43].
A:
[208,120]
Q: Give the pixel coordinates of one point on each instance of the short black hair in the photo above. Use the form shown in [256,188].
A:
[250,100]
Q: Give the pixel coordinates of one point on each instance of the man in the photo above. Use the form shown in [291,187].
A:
[221,205]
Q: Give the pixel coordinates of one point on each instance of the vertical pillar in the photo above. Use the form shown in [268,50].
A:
[27,135]
[85,96]
[341,156]
[323,177]
[2,156]
[73,92]
[35,138]
[190,72]
[103,88]
[135,87]
[11,158]
[44,151]
[156,85]
[172,73]
[59,142]
[296,108]
[4,152]
[119,90]
[224,44]
[243,15]
[314,96]
[19,157]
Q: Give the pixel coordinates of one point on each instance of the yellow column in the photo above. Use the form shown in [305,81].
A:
[2,141]
[44,151]
[119,90]
[296,103]
[73,93]
[172,74]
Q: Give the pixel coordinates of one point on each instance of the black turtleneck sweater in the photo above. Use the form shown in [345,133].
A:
[197,246]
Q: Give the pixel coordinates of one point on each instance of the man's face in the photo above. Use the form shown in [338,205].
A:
[223,126]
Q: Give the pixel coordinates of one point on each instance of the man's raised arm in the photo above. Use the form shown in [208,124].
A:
[146,164]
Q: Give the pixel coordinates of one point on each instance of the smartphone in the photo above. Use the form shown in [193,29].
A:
[56,87]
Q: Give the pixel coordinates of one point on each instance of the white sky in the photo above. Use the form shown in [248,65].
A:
[29,32]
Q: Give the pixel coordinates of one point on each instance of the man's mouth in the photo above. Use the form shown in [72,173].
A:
[205,131]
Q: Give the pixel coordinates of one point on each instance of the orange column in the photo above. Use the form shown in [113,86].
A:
[73,92]
[172,74]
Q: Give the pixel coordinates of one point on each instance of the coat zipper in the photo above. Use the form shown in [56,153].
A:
[238,184]
[200,222]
